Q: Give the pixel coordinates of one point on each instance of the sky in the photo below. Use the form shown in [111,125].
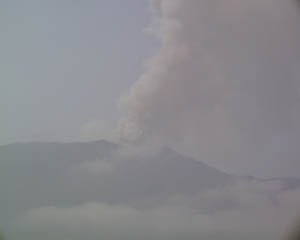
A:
[213,80]
[64,65]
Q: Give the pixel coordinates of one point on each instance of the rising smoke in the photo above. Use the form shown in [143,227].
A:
[224,85]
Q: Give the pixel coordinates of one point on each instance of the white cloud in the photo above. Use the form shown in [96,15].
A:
[251,217]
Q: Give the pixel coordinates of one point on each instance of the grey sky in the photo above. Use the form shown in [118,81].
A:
[222,87]
[65,63]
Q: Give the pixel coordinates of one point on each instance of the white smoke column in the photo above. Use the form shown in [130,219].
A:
[224,86]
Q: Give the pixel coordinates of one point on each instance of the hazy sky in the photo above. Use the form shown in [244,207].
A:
[64,65]
[221,82]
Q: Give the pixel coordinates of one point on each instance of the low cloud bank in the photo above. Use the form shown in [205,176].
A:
[242,211]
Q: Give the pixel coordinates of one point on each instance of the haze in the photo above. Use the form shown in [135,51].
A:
[161,119]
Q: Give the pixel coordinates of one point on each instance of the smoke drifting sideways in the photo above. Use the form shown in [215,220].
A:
[224,85]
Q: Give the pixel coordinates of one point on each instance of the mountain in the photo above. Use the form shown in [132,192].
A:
[37,175]
[72,173]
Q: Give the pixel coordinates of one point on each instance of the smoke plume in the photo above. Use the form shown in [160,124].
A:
[224,85]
